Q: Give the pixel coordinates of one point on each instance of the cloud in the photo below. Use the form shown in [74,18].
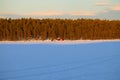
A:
[82,13]
[102,4]
[58,13]
[111,14]
[115,7]
[10,15]
[45,13]
[51,14]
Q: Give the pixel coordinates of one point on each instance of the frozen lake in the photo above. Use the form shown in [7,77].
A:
[93,61]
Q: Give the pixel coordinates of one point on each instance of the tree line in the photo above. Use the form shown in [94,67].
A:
[68,29]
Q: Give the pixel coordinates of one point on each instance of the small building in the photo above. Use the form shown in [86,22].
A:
[60,39]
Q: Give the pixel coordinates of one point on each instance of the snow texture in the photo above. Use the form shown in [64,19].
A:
[94,61]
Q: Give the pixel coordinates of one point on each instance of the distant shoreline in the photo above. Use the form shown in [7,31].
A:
[58,29]
[57,42]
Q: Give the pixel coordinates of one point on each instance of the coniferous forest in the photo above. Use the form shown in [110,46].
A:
[68,29]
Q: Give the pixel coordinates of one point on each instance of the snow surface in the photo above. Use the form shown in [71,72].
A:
[57,42]
[95,61]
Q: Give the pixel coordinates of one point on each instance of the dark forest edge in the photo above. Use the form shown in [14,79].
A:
[52,29]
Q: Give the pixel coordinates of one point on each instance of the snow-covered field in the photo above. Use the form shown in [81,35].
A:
[57,42]
[98,60]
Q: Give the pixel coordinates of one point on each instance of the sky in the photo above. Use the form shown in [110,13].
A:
[103,9]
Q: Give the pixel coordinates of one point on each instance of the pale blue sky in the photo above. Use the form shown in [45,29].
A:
[61,8]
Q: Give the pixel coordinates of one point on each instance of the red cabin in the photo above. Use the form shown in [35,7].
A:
[60,39]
